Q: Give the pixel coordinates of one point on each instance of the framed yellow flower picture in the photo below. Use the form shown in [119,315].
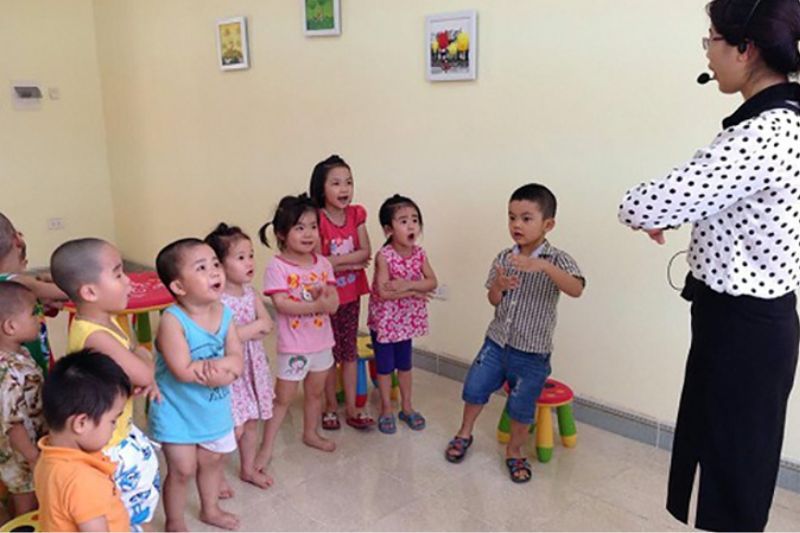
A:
[232,44]
[451,44]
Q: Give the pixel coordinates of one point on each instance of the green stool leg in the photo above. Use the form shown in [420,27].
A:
[566,425]
[144,333]
[504,427]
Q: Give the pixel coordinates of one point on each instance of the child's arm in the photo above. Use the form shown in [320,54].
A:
[95,524]
[354,260]
[225,371]
[287,306]
[567,283]
[140,370]
[419,288]
[502,283]
[19,440]
[43,290]
[172,345]
[258,328]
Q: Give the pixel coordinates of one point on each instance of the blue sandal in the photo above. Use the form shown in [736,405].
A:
[415,420]
[386,424]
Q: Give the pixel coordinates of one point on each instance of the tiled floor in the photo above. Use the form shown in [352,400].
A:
[402,482]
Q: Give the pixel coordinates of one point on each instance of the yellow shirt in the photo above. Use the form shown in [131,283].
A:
[79,331]
[74,487]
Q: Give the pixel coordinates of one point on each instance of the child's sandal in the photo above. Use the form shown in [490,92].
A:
[414,420]
[330,421]
[519,469]
[457,449]
[386,424]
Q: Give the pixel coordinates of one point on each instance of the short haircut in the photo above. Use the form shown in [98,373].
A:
[169,260]
[538,194]
[13,297]
[223,237]
[7,236]
[76,263]
[84,382]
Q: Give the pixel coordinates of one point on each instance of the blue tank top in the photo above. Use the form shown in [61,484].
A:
[190,413]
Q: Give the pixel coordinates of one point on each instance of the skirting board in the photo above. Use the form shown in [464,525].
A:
[595,413]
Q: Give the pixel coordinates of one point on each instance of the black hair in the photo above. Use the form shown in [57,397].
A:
[76,263]
[772,25]
[289,211]
[538,194]
[169,260]
[13,296]
[390,206]
[85,382]
[223,237]
[316,189]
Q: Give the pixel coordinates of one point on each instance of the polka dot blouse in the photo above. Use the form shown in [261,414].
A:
[742,195]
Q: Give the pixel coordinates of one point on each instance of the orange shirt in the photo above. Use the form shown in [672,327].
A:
[74,487]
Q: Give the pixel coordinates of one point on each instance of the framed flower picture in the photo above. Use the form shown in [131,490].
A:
[321,17]
[451,43]
[232,44]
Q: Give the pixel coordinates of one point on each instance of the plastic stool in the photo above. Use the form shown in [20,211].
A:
[26,522]
[555,394]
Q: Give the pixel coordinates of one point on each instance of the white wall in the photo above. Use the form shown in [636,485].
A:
[53,160]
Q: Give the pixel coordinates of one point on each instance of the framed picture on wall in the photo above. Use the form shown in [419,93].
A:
[232,44]
[321,17]
[451,44]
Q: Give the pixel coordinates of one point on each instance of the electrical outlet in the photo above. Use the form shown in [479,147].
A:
[442,292]
[55,223]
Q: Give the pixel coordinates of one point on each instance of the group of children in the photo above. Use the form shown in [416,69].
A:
[210,382]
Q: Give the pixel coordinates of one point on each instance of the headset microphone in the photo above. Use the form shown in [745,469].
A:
[704,78]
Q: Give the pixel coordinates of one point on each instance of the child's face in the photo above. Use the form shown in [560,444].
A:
[239,262]
[405,229]
[526,224]
[26,321]
[338,188]
[303,237]
[111,289]
[93,437]
[201,278]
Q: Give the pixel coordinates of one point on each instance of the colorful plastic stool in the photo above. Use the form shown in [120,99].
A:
[26,522]
[555,394]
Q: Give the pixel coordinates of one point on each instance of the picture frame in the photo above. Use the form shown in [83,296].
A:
[232,45]
[321,17]
[451,44]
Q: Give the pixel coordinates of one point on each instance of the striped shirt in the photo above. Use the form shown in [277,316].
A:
[526,316]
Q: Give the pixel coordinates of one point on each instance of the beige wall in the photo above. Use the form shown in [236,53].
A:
[588,97]
[53,160]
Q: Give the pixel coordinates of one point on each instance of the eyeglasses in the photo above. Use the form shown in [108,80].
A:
[706,41]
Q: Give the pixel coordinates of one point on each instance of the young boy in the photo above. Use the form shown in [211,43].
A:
[90,272]
[524,284]
[199,355]
[83,395]
[13,262]
[21,418]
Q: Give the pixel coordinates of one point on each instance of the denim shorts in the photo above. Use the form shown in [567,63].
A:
[525,372]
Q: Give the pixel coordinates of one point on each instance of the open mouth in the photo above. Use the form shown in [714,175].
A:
[343,199]
[216,286]
[250,273]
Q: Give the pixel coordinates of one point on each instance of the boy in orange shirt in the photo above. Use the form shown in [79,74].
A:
[83,396]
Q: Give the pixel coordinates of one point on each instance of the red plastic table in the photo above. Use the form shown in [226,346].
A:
[147,294]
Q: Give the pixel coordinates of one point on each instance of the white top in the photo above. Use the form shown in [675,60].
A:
[742,193]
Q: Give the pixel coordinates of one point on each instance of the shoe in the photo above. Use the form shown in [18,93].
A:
[330,421]
[386,424]
[414,420]
[360,421]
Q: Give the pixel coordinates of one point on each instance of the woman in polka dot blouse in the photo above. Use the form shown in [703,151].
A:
[742,196]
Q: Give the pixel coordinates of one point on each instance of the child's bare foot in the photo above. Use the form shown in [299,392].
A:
[225,490]
[320,443]
[175,525]
[257,477]
[220,518]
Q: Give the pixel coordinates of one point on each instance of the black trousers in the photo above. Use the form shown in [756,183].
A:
[739,373]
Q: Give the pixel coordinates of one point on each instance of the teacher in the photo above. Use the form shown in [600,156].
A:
[741,194]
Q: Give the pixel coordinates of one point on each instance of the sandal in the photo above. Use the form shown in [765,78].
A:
[360,421]
[516,467]
[386,424]
[330,421]
[415,420]
[459,445]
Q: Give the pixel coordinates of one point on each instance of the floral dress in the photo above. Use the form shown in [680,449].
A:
[252,393]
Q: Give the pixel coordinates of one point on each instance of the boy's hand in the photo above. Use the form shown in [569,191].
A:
[529,264]
[502,281]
